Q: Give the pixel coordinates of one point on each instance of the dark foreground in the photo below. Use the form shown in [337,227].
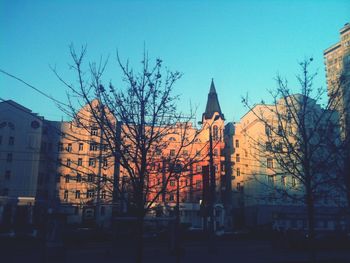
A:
[157,251]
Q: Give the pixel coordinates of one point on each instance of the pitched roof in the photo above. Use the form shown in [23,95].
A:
[212,103]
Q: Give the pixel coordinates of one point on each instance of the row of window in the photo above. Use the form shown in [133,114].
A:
[89,194]
[11,140]
[78,178]
[92,162]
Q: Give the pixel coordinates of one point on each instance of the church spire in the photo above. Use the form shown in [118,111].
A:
[212,103]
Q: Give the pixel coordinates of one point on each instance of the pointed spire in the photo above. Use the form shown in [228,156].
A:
[212,103]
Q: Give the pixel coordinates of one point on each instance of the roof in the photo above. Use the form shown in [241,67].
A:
[212,103]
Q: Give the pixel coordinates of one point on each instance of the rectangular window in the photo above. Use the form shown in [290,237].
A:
[268,146]
[172,182]
[60,147]
[90,178]
[77,194]
[81,146]
[80,161]
[104,178]
[185,153]
[105,162]
[93,146]
[237,143]
[238,158]
[172,153]
[198,168]
[269,163]
[67,178]
[9,158]
[69,147]
[78,178]
[65,196]
[11,140]
[294,182]
[92,162]
[267,130]
[238,186]
[271,180]
[198,183]
[8,175]
[94,131]
[283,181]
[103,194]
[69,162]
[59,161]
[171,197]
[215,152]
[238,172]
[90,193]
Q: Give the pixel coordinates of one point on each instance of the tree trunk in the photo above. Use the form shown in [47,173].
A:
[311,222]
[139,239]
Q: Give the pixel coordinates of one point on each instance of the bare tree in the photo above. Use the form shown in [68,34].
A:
[300,150]
[135,127]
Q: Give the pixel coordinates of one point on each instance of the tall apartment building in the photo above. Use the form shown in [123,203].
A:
[337,61]
[266,191]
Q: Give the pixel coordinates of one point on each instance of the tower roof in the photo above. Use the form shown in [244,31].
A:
[212,103]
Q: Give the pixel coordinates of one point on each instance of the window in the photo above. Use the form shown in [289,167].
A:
[280,130]
[65,195]
[8,175]
[94,131]
[103,194]
[238,158]
[90,193]
[185,153]
[215,133]
[294,183]
[269,163]
[198,168]
[80,161]
[11,140]
[198,153]
[238,172]
[69,162]
[93,146]
[69,147]
[91,161]
[268,146]
[104,178]
[172,153]
[237,143]
[283,181]
[172,182]
[198,183]
[271,180]
[215,152]
[172,139]
[60,147]
[238,186]
[77,194]
[171,197]
[9,157]
[81,146]
[78,178]
[105,162]
[267,130]
[67,178]
[158,152]
[90,178]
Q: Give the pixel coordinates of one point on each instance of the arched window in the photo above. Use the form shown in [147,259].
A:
[215,133]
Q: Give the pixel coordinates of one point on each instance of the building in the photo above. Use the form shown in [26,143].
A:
[268,189]
[337,61]
[21,133]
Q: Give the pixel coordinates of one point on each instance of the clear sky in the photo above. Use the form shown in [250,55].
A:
[241,44]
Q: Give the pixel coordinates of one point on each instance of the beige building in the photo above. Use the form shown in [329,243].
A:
[337,61]
[265,189]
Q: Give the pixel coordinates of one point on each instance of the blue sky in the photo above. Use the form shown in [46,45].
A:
[241,44]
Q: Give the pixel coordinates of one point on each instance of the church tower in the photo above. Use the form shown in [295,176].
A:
[213,117]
